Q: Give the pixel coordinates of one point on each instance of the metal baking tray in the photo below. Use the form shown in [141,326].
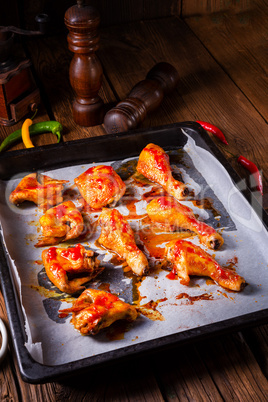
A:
[102,149]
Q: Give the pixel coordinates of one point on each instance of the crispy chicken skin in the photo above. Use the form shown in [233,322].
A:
[100,186]
[154,164]
[69,268]
[172,215]
[61,223]
[40,189]
[96,309]
[117,235]
[188,259]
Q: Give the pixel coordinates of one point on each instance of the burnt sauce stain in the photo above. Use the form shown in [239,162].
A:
[191,299]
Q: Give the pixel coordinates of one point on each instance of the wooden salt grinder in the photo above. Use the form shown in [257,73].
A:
[145,97]
[85,68]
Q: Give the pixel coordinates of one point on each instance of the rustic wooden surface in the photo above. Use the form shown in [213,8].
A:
[222,62]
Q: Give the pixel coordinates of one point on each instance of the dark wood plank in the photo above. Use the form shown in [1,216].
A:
[223,368]
[183,376]
[196,7]
[239,44]
[131,381]
[234,369]
[112,12]
[257,339]
[205,91]
[8,384]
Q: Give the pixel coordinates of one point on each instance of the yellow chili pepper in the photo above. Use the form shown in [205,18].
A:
[25,134]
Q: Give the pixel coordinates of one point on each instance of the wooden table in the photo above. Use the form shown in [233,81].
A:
[222,62]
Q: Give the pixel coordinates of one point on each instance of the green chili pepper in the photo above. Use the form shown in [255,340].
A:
[43,127]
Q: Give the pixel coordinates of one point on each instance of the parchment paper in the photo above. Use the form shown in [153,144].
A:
[53,340]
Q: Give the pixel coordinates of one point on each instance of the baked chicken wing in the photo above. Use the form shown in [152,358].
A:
[154,164]
[96,309]
[70,268]
[61,223]
[100,186]
[172,215]
[117,235]
[40,189]
[188,259]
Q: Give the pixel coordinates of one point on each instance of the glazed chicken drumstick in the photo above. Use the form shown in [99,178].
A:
[117,235]
[40,189]
[154,164]
[100,186]
[188,259]
[173,215]
[96,309]
[70,268]
[61,223]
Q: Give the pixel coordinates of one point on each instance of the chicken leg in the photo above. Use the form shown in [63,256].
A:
[154,164]
[172,215]
[117,235]
[188,259]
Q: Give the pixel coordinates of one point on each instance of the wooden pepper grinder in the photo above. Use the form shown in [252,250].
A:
[85,68]
[145,97]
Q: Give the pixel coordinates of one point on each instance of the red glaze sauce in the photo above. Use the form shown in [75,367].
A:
[73,253]
[202,228]
[103,168]
[172,275]
[60,211]
[117,220]
[166,202]
[182,245]
[95,313]
[106,301]
[57,270]
[51,254]
[161,159]
[113,219]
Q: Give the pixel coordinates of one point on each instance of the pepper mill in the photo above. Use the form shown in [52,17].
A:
[85,69]
[144,97]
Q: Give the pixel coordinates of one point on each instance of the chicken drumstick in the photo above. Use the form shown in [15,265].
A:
[189,259]
[173,215]
[154,164]
[117,235]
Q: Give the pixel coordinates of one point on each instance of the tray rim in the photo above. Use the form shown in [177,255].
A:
[33,372]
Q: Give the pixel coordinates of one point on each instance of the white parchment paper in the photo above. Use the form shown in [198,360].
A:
[53,340]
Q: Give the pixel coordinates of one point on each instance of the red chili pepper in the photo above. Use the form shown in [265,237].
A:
[214,130]
[253,169]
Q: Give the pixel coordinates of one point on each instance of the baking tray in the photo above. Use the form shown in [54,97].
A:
[102,149]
